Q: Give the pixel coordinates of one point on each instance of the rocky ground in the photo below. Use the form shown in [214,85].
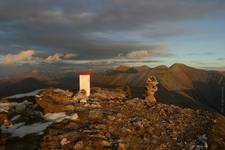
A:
[51,119]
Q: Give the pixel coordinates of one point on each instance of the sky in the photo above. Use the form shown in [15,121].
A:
[92,34]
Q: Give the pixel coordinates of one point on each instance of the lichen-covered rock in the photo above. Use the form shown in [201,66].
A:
[106,94]
[80,96]
[114,123]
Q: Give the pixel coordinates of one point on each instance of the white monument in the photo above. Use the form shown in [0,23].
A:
[85,82]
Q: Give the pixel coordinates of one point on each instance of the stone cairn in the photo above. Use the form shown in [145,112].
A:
[150,89]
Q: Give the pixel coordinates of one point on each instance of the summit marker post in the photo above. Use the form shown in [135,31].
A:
[84,79]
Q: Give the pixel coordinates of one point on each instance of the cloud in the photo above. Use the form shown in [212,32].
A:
[201,54]
[98,29]
[221,58]
[54,58]
[70,55]
[28,57]
[1,59]
[16,58]
[222,68]
[148,53]
[57,57]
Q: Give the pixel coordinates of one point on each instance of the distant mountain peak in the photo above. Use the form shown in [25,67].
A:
[142,68]
[121,68]
[178,66]
[161,67]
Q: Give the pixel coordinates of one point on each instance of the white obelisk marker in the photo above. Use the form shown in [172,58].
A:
[85,82]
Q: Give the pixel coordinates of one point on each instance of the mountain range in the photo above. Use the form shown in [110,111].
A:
[179,84]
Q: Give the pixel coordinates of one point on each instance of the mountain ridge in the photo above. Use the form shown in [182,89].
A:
[179,84]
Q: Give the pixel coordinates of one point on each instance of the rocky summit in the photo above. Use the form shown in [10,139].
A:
[108,119]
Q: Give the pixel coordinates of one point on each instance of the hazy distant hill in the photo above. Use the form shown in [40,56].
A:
[35,79]
[28,84]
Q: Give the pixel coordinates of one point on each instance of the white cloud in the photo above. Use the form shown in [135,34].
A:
[54,58]
[69,55]
[148,53]
[27,56]
[16,58]
[57,57]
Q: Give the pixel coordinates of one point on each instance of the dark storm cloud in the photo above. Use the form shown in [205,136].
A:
[96,29]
